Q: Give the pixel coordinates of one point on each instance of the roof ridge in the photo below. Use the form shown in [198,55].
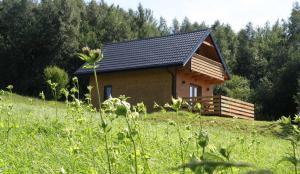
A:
[156,37]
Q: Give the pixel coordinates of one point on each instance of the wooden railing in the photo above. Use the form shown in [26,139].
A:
[207,67]
[223,106]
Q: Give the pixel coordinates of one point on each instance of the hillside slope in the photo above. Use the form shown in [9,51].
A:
[33,139]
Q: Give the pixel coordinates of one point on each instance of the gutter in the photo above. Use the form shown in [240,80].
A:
[173,75]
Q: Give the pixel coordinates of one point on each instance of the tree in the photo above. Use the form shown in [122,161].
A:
[245,53]
[114,26]
[144,24]
[186,25]
[175,26]
[18,32]
[238,87]
[226,39]
[297,97]
[294,24]
[269,93]
[163,27]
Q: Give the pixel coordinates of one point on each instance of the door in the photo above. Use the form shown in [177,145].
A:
[195,91]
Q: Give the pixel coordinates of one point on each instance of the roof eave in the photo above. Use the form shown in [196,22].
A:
[89,72]
[196,47]
[221,57]
[208,33]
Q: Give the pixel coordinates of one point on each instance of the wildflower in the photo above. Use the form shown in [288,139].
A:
[86,50]
[89,88]
[75,80]
[155,106]
[10,87]
[197,107]
[91,57]
[42,95]
[297,119]
[203,139]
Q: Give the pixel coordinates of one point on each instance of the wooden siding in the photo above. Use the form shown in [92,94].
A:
[223,106]
[141,86]
[184,79]
[207,67]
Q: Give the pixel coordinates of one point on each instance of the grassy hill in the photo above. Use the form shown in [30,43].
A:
[33,139]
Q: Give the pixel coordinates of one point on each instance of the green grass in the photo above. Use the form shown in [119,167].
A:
[38,143]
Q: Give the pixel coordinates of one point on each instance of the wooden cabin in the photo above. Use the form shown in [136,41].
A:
[187,65]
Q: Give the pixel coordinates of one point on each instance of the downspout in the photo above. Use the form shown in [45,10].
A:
[173,75]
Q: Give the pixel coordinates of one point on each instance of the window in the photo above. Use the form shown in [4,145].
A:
[107,91]
[195,91]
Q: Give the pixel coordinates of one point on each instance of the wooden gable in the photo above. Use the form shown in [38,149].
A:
[207,61]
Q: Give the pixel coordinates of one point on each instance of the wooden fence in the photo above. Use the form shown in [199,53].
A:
[223,106]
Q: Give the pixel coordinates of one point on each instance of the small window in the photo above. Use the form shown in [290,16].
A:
[107,91]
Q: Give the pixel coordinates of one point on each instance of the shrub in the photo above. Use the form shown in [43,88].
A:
[56,75]
[238,87]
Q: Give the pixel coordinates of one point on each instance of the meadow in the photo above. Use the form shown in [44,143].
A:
[39,136]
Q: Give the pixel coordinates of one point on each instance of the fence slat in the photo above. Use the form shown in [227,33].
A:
[223,106]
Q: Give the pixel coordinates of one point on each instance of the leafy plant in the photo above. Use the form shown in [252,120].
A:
[157,106]
[293,138]
[92,57]
[198,107]
[76,84]
[66,94]
[176,106]
[53,87]
[10,88]
[57,76]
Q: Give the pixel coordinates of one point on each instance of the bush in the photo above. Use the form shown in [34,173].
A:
[56,75]
[238,87]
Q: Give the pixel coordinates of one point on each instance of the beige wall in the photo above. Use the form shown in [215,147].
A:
[151,85]
[183,89]
[141,85]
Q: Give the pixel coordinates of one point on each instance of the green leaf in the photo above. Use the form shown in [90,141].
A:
[197,107]
[121,110]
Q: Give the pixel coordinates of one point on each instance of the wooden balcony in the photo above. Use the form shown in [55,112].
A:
[223,106]
[208,67]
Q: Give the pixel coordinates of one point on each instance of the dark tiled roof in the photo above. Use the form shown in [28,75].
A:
[169,50]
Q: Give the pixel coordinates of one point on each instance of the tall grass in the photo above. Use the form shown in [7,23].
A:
[74,143]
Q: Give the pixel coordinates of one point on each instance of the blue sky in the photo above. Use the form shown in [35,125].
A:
[235,12]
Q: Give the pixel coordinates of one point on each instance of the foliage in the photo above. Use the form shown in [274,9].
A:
[36,34]
[294,138]
[297,97]
[56,76]
[238,87]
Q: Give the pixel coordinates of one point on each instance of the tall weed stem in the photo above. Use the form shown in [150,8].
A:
[102,122]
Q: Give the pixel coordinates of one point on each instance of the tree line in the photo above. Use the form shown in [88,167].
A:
[264,61]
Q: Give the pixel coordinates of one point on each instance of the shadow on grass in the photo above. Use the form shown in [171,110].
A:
[231,124]
[279,130]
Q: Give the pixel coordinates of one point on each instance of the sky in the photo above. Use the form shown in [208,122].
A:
[237,13]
